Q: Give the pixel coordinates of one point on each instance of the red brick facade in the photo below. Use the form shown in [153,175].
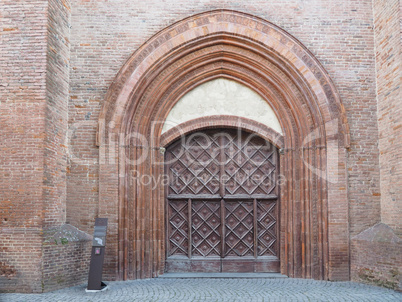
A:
[377,257]
[387,18]
[377,252]
[34,89]
[58,67]
[22,136]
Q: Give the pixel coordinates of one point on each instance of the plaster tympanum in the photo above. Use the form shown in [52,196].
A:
[221,97]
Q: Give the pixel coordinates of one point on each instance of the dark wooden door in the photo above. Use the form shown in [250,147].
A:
[222,203]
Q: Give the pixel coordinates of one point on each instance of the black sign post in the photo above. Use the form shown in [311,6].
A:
[98,254]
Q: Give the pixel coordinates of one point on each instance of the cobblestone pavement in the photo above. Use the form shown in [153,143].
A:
[217,290]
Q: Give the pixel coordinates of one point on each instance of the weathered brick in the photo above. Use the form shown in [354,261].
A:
[387,17]
[57,61]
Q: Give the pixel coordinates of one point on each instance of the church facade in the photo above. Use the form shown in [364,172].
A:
[215,136]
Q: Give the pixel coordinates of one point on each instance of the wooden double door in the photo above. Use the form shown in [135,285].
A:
[222,203]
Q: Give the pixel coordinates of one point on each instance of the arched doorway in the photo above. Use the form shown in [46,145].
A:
[222,203]
[226,44]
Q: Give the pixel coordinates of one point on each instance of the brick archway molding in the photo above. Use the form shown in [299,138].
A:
[314,235]
[222,121]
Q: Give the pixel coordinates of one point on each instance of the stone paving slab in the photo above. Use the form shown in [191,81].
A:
[230,290]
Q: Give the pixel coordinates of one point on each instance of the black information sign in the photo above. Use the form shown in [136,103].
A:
[97,256]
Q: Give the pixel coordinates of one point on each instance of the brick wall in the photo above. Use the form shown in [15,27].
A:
[339,33]
[22,105]
[57,90]
[377,257]
[377,251]
[65,265]
[20,260]
[387,18]
[34,88]
[66,256]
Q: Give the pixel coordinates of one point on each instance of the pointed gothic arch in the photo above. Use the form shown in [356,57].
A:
[240,47]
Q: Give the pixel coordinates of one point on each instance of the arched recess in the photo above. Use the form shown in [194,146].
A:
[240,47]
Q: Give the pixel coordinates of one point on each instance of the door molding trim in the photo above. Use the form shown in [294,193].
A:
[277,66]
[222,121]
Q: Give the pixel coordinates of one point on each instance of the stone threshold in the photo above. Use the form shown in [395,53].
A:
[222,275]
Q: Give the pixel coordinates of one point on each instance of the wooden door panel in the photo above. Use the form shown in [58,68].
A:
[250,165]
[195,265]
[239,229]
[262,265]
[206,224]
[178,228]
[177,265]
[238,265]
[222,204]
[194,166]
[206,265]
[267,228]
